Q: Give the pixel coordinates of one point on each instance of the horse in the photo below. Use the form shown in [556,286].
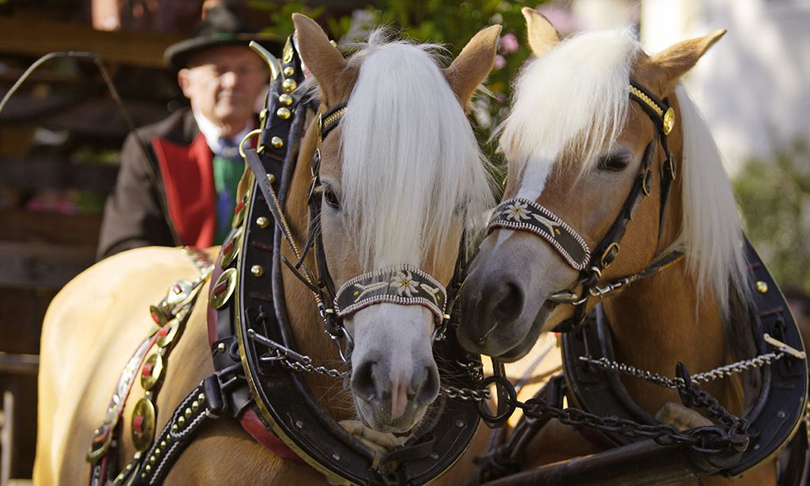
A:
[401,178]
[578,140]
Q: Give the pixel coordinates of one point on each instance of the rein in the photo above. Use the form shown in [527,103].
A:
[526,215]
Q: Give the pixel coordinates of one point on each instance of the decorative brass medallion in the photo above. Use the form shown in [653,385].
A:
[239,212]
[151,371]
[669,120]
[143,424]
[223,288]
[179,292]
[167,333]
[158,315]
[231,248]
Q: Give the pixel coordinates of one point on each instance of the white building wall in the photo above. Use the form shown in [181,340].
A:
[754,85]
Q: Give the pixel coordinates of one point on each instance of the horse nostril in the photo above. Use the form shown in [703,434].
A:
[510,304]
[428,390]
[363,381]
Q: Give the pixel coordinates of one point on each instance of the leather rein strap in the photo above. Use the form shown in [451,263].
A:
[526,215]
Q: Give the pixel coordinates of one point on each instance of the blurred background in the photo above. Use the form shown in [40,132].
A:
[60,135]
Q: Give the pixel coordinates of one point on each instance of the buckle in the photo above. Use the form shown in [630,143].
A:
[646,182]
[609,255]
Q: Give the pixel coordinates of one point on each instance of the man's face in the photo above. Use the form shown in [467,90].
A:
[223,84]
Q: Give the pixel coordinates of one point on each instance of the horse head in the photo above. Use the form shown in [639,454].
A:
[400,179]
[588,142]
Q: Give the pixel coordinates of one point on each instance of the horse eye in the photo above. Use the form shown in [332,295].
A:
[331,198]
[614,162]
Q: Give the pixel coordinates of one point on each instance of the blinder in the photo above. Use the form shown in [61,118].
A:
[526,215]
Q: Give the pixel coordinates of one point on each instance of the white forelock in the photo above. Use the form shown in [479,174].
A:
[571,104]
[711,236]
[412,168]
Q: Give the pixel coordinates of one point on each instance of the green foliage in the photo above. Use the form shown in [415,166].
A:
[453,24]
[774,196]
[280,13]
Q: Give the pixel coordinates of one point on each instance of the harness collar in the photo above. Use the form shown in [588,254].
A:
[776,414]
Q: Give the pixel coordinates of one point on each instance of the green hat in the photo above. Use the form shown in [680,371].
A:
[220,27]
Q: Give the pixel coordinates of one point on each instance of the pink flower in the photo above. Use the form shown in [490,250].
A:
[499,61]
[509,43]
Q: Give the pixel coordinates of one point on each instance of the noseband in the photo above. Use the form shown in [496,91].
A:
[523,214]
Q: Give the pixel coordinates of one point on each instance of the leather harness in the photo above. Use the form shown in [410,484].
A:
[780,407]
[249,333]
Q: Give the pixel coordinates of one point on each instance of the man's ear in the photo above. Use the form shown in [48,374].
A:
[667,67]
[474,63]
[543,37]
[184,81]
[323,59]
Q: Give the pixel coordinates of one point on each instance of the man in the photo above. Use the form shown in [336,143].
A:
[178,177]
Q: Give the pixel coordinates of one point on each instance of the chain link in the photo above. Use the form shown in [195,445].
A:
[303,363]
[729,435]
[677,383]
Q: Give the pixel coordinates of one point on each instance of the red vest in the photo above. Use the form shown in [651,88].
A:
[188,178]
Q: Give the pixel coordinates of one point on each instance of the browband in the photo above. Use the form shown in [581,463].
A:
[524,214]
[400,284]
[329,120]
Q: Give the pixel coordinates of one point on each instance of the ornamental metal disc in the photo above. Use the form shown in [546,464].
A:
[179,292]
[669,120]
[143,424]
[223,289]
[167,333]
[151,371]
[231,247]
[158,315]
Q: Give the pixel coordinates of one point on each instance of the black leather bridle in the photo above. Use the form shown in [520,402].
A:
[526,215]
[400,284]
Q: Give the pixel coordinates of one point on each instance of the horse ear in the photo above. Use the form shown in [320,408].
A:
[673,62]
[542,35]
[474,63]
[322,58]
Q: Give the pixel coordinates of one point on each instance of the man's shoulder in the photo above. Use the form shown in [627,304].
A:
[179,127]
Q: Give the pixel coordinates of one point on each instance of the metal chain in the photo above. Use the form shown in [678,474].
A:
[677,383]
[303,363]
[310,368]
[731,435]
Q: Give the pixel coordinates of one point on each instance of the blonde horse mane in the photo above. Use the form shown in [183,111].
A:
[580,89]
[711,236]
[410,158]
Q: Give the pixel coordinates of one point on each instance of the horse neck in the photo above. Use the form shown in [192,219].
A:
[662,320]
[307,326]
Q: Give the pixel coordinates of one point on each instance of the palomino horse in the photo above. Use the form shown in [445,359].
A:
[401,178]
[576,143]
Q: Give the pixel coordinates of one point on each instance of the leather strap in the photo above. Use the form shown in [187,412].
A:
[777,412]
[526,215]
[401,284]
